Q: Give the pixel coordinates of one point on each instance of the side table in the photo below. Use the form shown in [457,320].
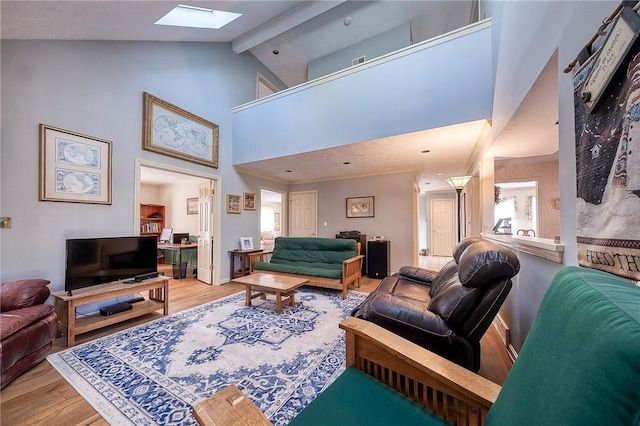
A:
[243,256]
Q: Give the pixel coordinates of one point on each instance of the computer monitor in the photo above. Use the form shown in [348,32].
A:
[165,236]
[178,236]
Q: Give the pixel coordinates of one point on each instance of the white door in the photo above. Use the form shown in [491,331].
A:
[442,226]
[303,213]
[205,234]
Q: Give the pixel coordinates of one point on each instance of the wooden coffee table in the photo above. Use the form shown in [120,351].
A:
[279,285]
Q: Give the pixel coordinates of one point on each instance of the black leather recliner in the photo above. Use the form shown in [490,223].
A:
[447,311]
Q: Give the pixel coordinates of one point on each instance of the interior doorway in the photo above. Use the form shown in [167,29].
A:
[179,190]
[272,217]
[303,211]
[442,226]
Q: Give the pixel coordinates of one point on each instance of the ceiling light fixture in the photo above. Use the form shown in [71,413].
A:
[426,151]
[197,17]
[275,51]
[458,182]
[347,162]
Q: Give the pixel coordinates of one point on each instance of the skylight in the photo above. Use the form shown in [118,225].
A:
[197,17]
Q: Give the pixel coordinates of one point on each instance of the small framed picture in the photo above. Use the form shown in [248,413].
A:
[249,201]
[246,243]
[360,207]
[234,204]
[192,205]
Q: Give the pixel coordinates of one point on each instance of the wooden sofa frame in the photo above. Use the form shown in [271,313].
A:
[351,273]
[448,390]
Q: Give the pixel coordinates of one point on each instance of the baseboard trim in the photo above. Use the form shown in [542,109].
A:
[503,332]
[511,351]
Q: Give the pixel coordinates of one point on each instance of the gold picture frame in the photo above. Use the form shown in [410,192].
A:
[249,201]
[172,131]
[360,207]
[234,203]
[74,168]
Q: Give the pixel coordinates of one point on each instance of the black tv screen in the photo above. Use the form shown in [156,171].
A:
[92,261]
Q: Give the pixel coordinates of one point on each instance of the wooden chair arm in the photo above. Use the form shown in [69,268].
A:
[257,256]
[352,259]
[444,388]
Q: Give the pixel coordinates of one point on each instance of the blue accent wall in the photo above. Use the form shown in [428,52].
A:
[432,85]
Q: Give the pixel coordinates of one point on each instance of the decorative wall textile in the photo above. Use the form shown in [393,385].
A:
[608,172]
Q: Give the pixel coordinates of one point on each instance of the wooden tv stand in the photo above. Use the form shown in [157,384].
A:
[66,305]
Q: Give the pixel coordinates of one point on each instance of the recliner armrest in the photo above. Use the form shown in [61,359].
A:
[416,274]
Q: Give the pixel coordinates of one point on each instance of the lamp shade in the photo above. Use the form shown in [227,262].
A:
[458,182]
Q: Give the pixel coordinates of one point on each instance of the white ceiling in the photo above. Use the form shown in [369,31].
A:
[302,31]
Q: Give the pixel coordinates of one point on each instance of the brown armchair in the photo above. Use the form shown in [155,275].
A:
[27,327]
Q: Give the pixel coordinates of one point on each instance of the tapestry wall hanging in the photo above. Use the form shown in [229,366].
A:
[607,164]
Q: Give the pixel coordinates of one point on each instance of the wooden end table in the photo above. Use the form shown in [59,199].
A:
[281,286]
[243,257]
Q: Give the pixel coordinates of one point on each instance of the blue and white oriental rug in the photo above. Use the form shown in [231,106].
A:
[154,373]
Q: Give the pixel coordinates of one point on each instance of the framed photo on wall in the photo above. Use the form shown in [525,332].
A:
[74,168]
[360,207]
[249,201]
[172,131]
[234,203]
[192,205]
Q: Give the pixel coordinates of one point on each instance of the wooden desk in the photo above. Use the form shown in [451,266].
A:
[65,305]
[178,248]
[243,255]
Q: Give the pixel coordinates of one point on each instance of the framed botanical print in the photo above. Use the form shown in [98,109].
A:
[249,201]
[234,203]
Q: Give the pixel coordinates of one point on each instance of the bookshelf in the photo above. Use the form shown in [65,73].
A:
[151,219]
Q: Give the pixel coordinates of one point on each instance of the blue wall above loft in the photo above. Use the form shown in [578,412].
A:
[440,82]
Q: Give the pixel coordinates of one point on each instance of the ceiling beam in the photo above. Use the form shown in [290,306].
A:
[276,26]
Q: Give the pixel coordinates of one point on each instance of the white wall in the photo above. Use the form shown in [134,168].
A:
[174,198]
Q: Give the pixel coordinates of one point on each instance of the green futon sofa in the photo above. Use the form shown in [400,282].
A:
[579,365]
[325,262]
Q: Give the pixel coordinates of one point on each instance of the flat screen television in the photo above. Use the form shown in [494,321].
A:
[93,261]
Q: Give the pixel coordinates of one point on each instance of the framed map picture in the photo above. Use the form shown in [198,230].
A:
[172,131]
[74,168]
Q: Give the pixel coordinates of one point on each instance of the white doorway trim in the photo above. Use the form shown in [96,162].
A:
[283,201]
[217,207]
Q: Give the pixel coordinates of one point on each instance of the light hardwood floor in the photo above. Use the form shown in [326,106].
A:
[42,396]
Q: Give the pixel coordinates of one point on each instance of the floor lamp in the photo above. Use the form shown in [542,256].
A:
[458,182]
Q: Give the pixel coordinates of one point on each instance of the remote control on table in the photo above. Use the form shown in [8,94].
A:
[136,300]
